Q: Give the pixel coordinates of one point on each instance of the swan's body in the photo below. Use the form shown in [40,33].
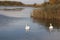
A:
[27,28]
[50,27]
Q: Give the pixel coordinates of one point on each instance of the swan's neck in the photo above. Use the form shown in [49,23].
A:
[50,24]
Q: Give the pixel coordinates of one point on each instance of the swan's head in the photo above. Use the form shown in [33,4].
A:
[50,24]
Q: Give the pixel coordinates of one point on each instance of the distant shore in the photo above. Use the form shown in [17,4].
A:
[15,3]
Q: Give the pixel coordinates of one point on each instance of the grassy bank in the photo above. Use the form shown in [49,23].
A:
[47,12]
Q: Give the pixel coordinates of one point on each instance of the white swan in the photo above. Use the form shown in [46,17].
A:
[27,28]
[50,27]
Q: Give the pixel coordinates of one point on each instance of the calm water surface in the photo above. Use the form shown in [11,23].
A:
[12,26]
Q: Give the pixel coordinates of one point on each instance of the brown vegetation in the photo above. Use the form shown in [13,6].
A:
[54,1]
[10,3]
[48,11]
[15,3]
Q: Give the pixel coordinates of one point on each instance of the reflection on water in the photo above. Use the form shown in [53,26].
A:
[12,26]
[46,22]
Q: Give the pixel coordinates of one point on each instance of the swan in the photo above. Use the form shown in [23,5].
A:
[50,27]
[27,28]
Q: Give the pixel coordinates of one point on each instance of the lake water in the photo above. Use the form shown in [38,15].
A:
[12,26]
